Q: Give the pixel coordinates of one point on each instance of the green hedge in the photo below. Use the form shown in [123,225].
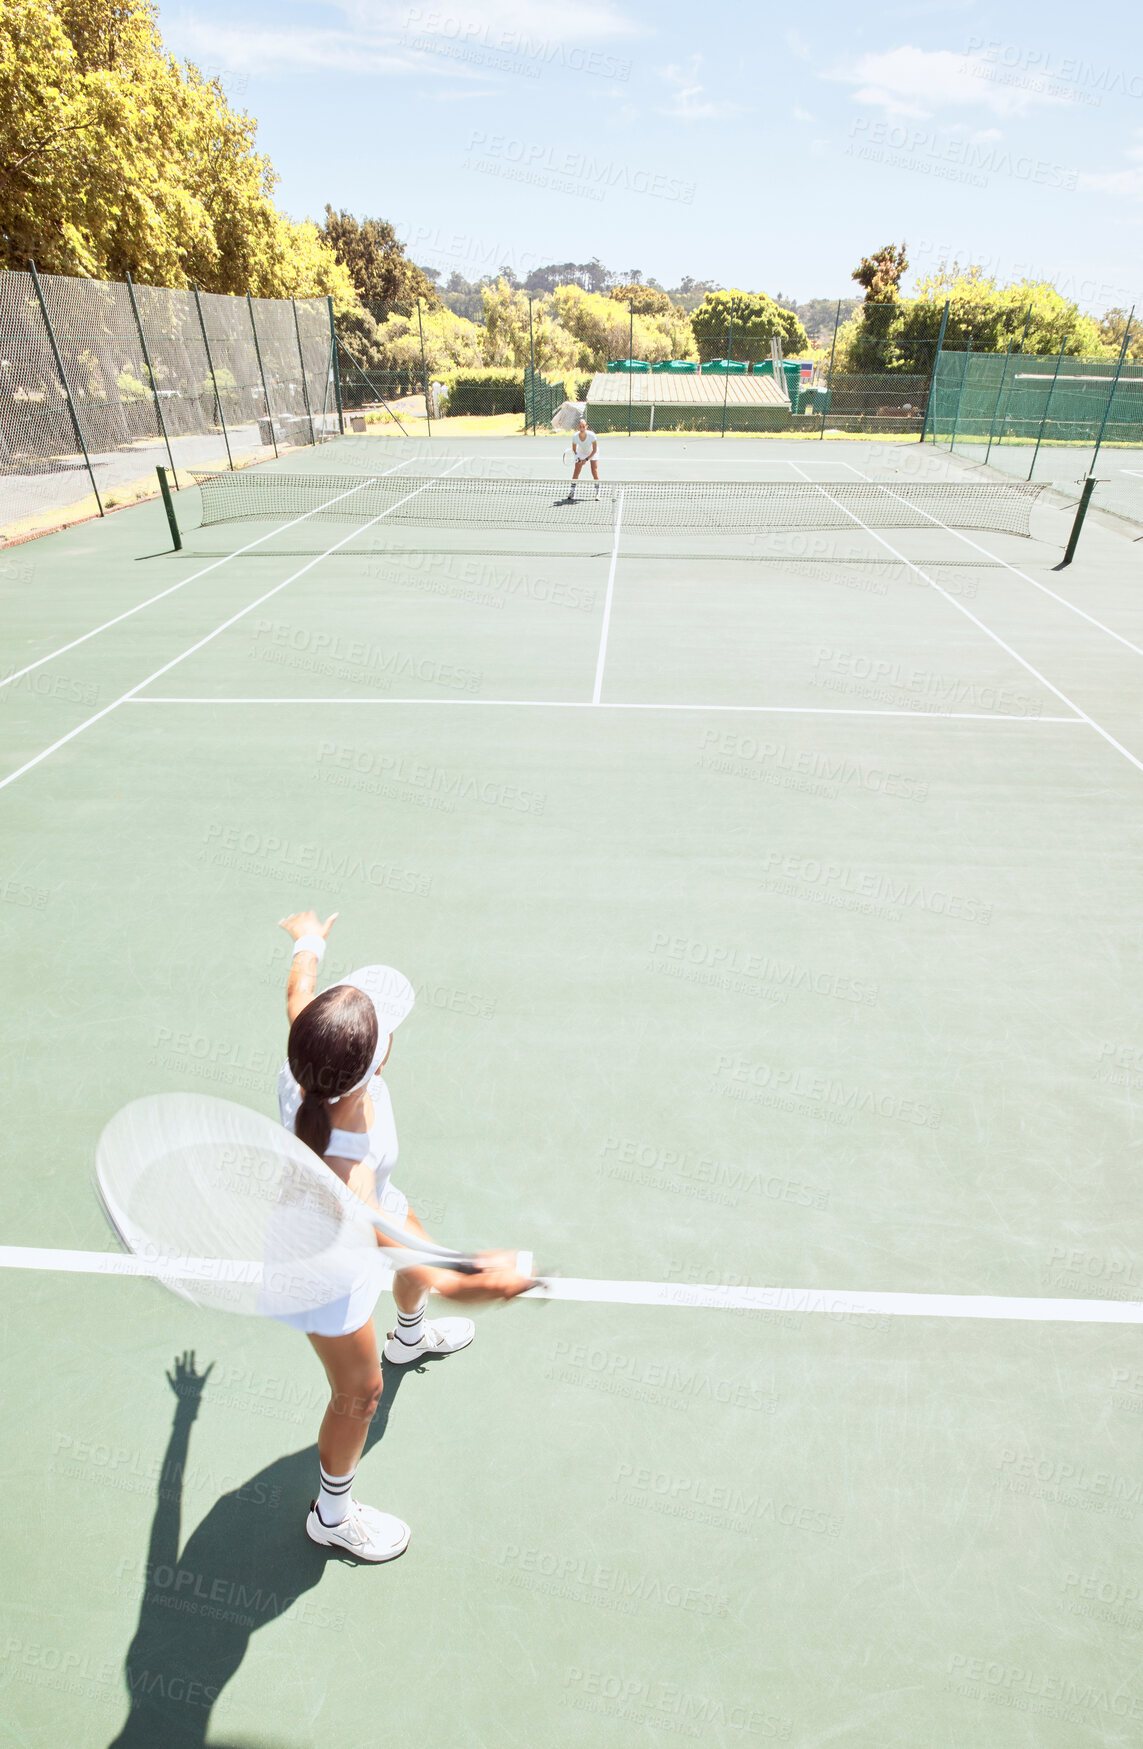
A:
[486,391]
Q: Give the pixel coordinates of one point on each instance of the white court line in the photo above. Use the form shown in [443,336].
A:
[193,578]
[582,704]
[129,695]
[988,553]
[839,1304]
[1007,648]
[603,630]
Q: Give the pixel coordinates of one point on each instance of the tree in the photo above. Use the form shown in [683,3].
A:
[510,341]
[590,275]
[605,330]
[381,271]
[757,320]
[1112,327]
[647,300]
[114,157]
[881,274]
[902,336]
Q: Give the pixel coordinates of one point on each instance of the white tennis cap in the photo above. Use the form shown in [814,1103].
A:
[390,992]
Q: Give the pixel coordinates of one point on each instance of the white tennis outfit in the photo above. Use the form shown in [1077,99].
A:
[370,1274]
[583,445]
[363,1277]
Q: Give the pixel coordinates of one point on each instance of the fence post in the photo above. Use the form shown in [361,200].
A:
[532,361]
[726,380]
[151,374]
[630,357]
[302,363]
[262,374]
[999,397]
[66,385]
[1114,386]
[960,393]
[424,371]
[213,378]
[829,373]
[1047,404]
[930,398]
[333,367]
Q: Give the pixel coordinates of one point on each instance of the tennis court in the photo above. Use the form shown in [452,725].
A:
[768,880]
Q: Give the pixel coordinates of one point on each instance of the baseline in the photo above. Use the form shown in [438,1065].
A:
[583,704]
[836,1303]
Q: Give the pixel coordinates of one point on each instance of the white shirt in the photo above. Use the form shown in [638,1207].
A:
[583,445]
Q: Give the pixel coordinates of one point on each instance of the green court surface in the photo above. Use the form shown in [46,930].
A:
[773,916]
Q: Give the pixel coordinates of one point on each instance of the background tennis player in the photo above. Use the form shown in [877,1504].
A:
[585,448]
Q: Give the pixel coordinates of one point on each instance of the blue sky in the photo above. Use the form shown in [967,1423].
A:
[764,150]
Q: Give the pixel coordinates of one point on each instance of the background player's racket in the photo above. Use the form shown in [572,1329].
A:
[237,1214]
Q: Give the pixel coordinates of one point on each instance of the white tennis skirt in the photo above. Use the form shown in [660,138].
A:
[355,1307]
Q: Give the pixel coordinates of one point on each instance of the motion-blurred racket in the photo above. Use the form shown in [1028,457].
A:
[237,1214]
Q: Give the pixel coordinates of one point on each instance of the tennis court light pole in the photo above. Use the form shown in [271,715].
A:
[630,357]
[76,427]
[532,359]
[333,363]
[930,398]
[1047,404]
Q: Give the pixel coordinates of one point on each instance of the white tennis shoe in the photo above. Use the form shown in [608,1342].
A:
[444,1336]
[364,1532]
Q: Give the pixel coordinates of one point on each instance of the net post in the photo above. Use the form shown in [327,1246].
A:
[999,395]
[333,366]
[213,377]
[930,398]
[829,373]
[76,427]
[1047,404]
[729,348]
[302,364]
[424,370]
[960,393]
[1114,386]
[151,374]
[169,507]
[262,374]
[1081,511]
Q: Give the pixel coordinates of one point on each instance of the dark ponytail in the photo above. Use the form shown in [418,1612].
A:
[331,1047]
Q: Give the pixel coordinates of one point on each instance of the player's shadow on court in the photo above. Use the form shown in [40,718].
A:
[240,1569]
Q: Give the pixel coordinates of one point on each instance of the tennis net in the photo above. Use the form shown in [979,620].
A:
[652,507]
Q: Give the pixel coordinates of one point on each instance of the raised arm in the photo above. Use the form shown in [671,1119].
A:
[302,982]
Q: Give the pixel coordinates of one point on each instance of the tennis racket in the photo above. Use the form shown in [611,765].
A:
[236,1214]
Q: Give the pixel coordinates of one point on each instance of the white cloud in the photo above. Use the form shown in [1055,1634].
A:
[802,114]
[916,83]
[687,103]
[380,36]
[1128,181]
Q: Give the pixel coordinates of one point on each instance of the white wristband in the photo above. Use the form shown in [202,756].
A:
[310,944]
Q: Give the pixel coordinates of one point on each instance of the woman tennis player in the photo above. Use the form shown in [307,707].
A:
[585,448]
[331,1095]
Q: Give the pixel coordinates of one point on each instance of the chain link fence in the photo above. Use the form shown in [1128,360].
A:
[100,383]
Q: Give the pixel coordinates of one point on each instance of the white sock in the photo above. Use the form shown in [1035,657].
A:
[571,489]
[411,1325]
[333,1496]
